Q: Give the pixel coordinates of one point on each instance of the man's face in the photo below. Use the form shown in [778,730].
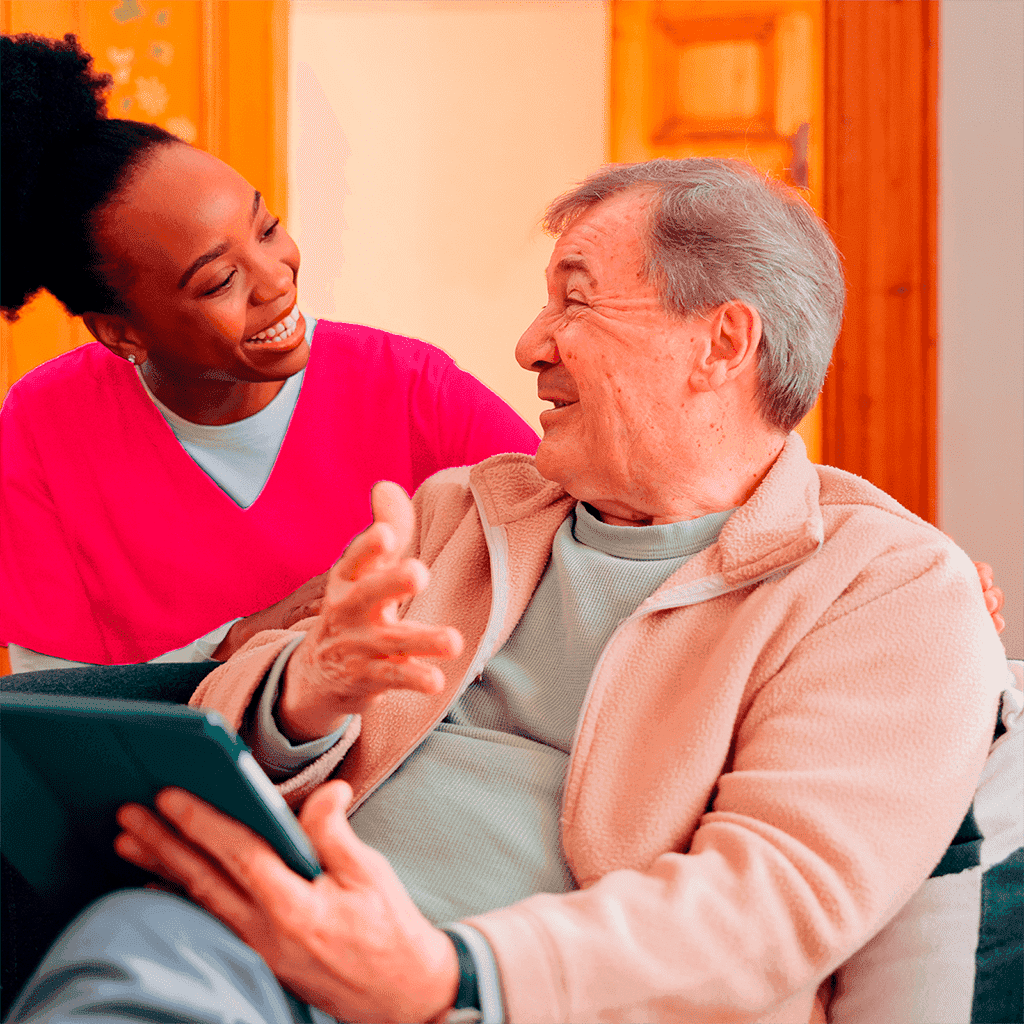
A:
[612,360]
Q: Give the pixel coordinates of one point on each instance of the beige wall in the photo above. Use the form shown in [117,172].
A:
[981,270]
[425,140]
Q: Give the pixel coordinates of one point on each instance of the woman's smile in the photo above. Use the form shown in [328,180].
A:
[282,336]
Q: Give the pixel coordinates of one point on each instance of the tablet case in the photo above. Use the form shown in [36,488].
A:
[68,763]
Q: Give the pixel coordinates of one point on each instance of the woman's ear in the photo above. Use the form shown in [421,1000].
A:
[111,330]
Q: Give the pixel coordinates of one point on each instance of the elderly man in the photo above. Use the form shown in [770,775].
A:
[709,713]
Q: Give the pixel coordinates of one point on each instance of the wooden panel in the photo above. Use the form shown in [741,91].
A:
[213,72]
[723,78]
[720,77]
[44,330]
[880,201]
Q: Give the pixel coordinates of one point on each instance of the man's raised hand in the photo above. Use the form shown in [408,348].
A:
[358,647]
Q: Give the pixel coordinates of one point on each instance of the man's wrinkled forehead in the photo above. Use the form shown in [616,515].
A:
[603,239]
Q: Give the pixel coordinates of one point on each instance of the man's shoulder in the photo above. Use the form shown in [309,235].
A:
[507,487]
[884,546]
[501,490]
[852,506]
[840,490]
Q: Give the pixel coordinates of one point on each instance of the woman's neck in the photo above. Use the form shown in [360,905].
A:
[211,402]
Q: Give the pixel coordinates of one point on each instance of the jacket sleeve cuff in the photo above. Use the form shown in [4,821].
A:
[492,1006]
[275,753]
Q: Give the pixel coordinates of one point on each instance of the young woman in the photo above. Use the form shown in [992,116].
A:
[182,483]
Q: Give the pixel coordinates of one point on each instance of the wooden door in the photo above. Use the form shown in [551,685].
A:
[726,78]
[213,72]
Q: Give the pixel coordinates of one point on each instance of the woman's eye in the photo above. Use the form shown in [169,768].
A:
[223,284]
[273,227]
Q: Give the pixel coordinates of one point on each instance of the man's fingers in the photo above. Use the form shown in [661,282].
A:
[364,600]
[375,546]
[246,858]
[151,844]
[404,674]
[402,639]
[392,505]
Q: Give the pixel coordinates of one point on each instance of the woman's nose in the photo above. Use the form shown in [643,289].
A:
[537,348]
[273,278]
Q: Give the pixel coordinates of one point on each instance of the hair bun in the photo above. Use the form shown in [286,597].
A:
[50,93]
[49,87]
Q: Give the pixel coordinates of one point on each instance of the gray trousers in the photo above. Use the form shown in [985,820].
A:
[146,955]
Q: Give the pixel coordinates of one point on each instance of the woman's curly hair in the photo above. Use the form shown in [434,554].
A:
[63,161]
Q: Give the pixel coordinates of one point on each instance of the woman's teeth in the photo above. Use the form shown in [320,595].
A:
[281,329]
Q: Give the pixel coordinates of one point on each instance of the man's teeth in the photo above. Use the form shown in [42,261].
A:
[280,330]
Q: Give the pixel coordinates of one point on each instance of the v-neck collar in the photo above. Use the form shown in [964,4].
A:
[209,437]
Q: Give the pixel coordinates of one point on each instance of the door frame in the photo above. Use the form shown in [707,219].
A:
[880,402]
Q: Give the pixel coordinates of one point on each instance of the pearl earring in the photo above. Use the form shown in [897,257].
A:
[131,359]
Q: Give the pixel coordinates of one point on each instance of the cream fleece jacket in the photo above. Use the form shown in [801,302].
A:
[774,751]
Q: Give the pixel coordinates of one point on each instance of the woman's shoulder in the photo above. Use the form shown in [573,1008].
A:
[69,378]
[343,341]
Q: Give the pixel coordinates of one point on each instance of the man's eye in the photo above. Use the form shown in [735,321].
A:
[223,284]
[273,227]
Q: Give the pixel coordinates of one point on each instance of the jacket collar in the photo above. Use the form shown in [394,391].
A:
[777,527]
[509,488]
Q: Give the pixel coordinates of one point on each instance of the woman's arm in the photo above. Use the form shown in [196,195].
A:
[25,660]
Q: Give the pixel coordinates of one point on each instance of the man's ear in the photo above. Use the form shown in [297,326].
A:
[732,339]
[112,330]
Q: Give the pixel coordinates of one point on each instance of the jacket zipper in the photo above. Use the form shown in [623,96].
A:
[704,589]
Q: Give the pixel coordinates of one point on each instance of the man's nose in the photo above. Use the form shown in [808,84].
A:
[537,348]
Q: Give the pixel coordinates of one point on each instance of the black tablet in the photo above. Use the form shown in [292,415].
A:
[68,764]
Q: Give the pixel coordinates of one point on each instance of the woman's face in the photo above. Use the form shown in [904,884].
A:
[203,268]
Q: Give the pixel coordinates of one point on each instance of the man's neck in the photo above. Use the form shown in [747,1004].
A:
[722,479]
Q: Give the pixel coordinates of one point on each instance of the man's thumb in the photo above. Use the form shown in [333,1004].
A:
[323,818]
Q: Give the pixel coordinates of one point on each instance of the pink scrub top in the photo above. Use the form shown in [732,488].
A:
[116,547]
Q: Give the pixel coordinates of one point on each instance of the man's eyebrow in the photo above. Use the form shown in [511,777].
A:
[574,264]
[217,250]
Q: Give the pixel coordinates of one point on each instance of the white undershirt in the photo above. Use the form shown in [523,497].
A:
[238,457]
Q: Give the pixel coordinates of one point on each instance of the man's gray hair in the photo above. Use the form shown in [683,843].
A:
[719,230]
